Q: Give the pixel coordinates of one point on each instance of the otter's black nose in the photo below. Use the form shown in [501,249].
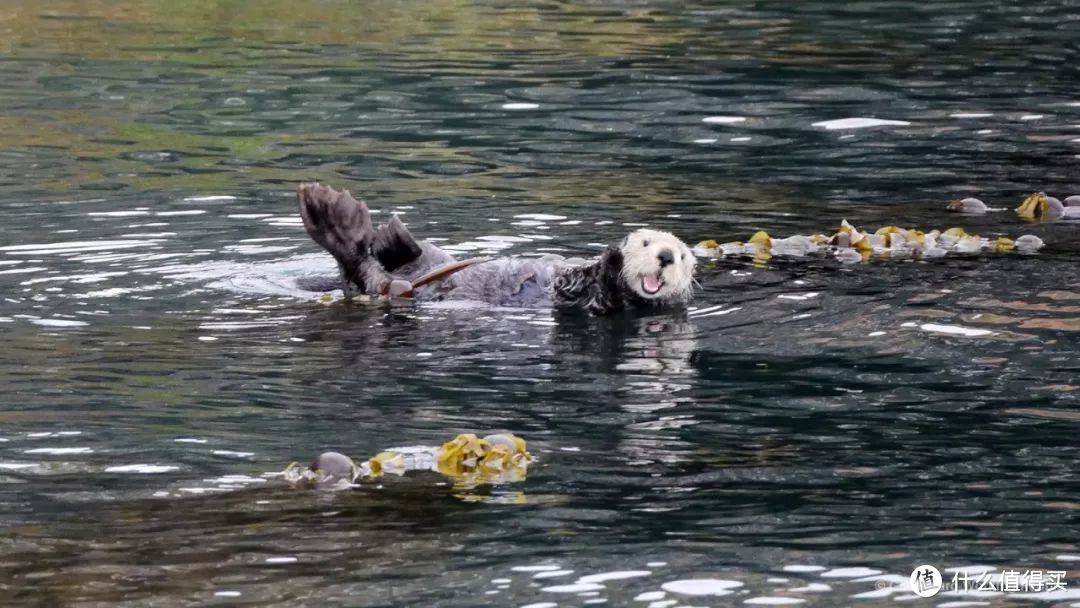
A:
[666,257]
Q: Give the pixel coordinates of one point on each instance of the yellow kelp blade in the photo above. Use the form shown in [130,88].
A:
[515,444]
[496,460]
[761,238]
[1004,245]
[849,236]
[888,231]
[461,454]
[1033,207]
[386,462]
[852,239]
[884,230]
[917,236]
[1027,206]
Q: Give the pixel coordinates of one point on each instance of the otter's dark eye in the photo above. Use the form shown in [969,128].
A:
[682,257]
[645,243]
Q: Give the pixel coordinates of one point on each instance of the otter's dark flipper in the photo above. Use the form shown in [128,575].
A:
[335,220]
[342,225]
[394,246]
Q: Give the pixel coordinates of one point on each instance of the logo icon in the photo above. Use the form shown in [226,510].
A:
[925,581]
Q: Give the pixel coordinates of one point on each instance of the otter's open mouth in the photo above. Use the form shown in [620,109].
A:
[651,283]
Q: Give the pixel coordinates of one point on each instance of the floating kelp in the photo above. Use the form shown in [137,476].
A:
[969,205]
[494,459]
[1039,206]
[848,244]
[1035,206]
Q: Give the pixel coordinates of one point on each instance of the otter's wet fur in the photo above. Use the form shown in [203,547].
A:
[648,269]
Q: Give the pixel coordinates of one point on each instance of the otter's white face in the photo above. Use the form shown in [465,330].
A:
[657,265]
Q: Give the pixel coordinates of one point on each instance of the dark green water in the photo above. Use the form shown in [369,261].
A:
[805,414]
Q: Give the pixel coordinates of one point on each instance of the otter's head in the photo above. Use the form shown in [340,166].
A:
[657,266]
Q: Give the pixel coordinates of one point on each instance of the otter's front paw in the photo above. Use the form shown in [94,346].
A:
[605,293]
[612,259]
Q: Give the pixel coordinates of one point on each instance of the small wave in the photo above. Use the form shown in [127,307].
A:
[859,123]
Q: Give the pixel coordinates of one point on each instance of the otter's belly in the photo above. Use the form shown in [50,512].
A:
[513,282]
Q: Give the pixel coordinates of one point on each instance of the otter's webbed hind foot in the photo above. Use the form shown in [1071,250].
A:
[342,225]
[394,246]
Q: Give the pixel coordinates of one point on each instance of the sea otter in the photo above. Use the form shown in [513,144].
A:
[648,269]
